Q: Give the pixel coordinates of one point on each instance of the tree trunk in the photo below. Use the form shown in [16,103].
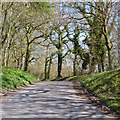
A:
[92,65]
[119,51]
[108,45]
[49,68]
[74,65]
[5,60]
[26,58]
[8,56]
[60,57]
[46,64]
[59,64]
[99,67]
[119,38]
[110,59]
[18,63]
[21,61]
[102,62]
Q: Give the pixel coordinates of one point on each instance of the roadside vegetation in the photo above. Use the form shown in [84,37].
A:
[104,85]
[60,39]
[13,78]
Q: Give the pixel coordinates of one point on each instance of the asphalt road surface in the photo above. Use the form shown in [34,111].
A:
[50,100]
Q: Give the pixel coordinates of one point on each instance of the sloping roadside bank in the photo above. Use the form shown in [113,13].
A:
[104,86]
[12,78]
[94,100]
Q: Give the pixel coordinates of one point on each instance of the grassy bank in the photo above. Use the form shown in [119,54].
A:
[12,78]
[105,85]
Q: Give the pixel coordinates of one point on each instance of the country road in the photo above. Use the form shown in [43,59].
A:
[50,100]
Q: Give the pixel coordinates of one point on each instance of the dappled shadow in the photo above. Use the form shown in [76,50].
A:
[60,79]
[106,85]
[84,93]
[21,76]
[50,100]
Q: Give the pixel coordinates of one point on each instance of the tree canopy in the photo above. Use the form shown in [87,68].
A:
[60,39]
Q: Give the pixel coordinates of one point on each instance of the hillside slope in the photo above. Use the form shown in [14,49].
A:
[12,78]
[105,85]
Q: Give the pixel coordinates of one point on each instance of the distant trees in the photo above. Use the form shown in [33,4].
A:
[84,31]
[56,37]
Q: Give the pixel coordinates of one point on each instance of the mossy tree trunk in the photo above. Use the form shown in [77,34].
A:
[74,65]
[99,67]
[109,47]
[59,64]
[58,43]
[46,64]
[77,49]
[91,65]
[49,67]
[21,60]
[5,58]
[27,56]
[60,57]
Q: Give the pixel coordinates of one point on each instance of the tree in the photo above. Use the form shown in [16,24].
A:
[77,49]
[27,24]
[58,42]
[105,16]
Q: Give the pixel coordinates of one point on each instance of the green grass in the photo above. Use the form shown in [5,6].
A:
[105,85]
[13,78]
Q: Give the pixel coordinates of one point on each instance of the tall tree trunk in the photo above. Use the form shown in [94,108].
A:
[99,67]
[3,57]
[119,44]
[119,34]
[60,57]
[21,61]
[102,62]
[119,52]
[92,65]
[91,61]
[27,58]
[5,60]
[8,56]
[109,47]
[59,64]
[18,63]
[74,65]
[46,64]
[110,58]
[49,68]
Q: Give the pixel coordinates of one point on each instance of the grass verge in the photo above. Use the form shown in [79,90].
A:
[105,85]
[13,78]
